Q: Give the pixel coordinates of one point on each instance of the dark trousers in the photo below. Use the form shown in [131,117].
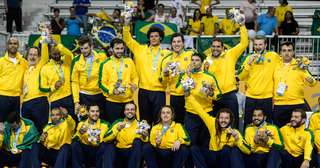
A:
[251,104]
[288,161]
[158,158]
[55,158]
[113,111]
[228,100]
[264,160]
[7,104]
[27,159]
[150,103]
[178,102]
[197,130]
[123,158]
[37,110]
[66,102]
[87,155]
[228,157]
[97,99]
[282,113]
[14,14]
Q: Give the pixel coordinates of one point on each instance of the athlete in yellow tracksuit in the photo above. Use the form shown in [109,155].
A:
[172,66]
[118,80]
[147,58]
[56,138]
[35,104]
[225,143]
[204,87]
[55,79]
[298,141]
[317,145]
[257,73]
[314,120]
[290,79]
[85,76]
[87,146]
[12,68]
[18,142]
[124,140]
[168,142]
[222,64]
[264,141]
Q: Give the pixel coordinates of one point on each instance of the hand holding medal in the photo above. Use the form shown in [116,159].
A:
[236,16]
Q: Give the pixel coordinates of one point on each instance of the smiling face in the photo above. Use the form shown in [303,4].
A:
[130,111]
[296,119]
[224,120]
[33,57]
[177,44]
[216,48]
[94,113]
[118,50]
[258,117]
[166,115]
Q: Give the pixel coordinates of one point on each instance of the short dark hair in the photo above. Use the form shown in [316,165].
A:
[116,41]
[259,109]
[13,116]
[177,35]
[160,5]
[155,29]
[118,10]
[84,39]
[302,112]
[71,7]
[91,105]
[218,40]
[200,55]
[56,10]
[286,43]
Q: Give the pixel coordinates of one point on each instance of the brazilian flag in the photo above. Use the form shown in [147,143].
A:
[141,29]
[67,40]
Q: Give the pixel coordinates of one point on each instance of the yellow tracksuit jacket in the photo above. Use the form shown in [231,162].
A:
[31,81]
[11,75]
[274,141]
[218,142]
[223,67]
[114,69]
[183,60]
[53,71]
[59,134]
[147,60]
[259,75]
[314,121]
[125,137]
[101,125]
[295,79]
[84,76]
[175,132]
[200,78]
[297,141]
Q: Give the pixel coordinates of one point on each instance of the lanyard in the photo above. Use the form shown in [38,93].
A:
[120,70]
[59,71]
[261,57]
[89,64]
[155,59]
[15,141]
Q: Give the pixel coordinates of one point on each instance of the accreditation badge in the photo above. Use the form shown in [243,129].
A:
[282,87]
